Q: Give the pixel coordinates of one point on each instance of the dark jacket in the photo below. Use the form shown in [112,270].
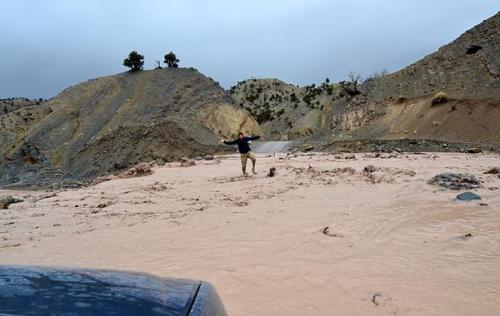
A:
[243,145]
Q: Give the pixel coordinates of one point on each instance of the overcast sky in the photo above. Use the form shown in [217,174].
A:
[47,45]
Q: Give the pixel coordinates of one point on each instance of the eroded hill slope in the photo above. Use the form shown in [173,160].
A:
[110,123]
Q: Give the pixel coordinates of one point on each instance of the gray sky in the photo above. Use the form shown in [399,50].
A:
[47,45]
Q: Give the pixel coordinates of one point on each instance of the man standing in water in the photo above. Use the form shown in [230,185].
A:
[244,148]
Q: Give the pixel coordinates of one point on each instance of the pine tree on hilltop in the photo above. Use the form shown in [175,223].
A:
[171,60]
[134,61]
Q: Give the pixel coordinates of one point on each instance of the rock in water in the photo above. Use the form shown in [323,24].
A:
[272,172]
[495,170]
[474,150]
[455,181]
[307,148]
[185,162]
[8,200]
[468,196]
[370,169]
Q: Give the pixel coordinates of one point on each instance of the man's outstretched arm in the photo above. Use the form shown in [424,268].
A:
[228,142]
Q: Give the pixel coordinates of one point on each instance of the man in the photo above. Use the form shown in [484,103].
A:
[244,148]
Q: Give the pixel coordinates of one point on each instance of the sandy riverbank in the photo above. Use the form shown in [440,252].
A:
[394,244]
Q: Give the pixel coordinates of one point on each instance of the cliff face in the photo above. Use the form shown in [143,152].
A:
[107,124]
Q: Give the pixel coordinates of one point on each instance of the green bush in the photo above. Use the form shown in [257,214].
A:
[251,97]
[264,115]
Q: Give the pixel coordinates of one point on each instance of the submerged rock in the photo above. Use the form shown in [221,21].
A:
[185,162]
[272,172]
[456,181]
[495,170]
[370,169]
[8,200]
[468,196]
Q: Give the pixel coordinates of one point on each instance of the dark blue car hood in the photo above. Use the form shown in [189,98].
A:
[50,291]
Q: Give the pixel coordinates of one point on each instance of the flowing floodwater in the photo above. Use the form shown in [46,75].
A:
[271,147]
[321,237]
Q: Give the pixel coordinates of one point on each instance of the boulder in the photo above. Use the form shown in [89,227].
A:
[370,169]
[468,196]
[474,150]
[495,170]
[185,162]
[307,148]
[455,181]
[272,172]
[8,200]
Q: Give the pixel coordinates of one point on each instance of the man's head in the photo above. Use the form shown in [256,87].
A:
[241,135]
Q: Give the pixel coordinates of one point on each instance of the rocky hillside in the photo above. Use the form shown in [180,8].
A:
[12,104]
[318,112]
[108,124]
[17,116]
[394,106]
[466,70]
[284,111]
[468,67]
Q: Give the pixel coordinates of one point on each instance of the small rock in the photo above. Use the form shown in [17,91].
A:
[8,200]
[465,237]
[272,172]
[208,157]
[307,148]
[468,196]
[376,297]
[139,170]
[326,231]
[104,205]
[350,157]
[185,162]
[455,181]
[495,170]
[370,169]
[474,150]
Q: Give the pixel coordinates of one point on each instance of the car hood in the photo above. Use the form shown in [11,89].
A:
[38,291]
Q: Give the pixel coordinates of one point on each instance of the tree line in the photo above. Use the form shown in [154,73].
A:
[135,61]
